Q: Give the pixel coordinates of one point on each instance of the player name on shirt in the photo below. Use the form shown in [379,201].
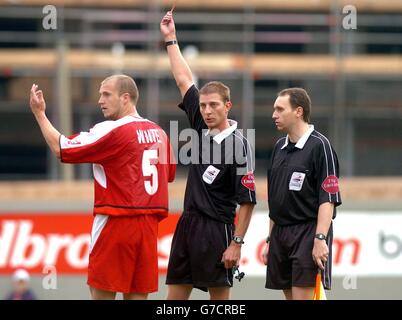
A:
[148,136]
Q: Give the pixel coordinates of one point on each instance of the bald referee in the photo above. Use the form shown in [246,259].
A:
[303,192]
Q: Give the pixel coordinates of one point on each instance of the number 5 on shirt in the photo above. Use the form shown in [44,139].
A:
[150,170]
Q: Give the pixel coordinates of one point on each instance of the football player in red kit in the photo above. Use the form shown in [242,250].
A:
[132,166]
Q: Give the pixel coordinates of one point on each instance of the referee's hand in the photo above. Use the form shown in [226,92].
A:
[265,254]
[231,256]
[167,27]
[320,253]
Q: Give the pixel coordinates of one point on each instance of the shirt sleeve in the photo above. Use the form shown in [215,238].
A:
[244,173]
[98,145]
[191,106]
[172,164]
[269,170]
[327,173]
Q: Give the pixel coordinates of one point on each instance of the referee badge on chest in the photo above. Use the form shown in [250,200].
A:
[296,181]
[210,174]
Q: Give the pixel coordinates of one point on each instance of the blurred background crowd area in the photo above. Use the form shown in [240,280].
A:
[257,47]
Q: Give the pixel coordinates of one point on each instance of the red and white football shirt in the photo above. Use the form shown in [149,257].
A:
[132,165]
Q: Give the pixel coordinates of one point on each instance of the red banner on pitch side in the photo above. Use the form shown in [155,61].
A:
[35,241]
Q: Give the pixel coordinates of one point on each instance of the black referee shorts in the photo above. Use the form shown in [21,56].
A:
[290,260]
[196,253]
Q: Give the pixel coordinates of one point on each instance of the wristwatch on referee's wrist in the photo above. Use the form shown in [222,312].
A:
[268,239]
[237,240]
[320,236]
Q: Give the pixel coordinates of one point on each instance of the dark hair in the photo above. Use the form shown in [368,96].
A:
[125,84]
[298,97]
[217,87]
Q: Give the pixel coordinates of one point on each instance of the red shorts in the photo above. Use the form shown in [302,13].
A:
[124,254]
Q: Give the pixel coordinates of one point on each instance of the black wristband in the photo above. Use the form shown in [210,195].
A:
[268,239]
[169,43]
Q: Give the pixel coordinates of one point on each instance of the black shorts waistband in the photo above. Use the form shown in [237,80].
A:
[194,213]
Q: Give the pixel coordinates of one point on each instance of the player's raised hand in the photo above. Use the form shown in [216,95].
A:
[167,27]
[37,101]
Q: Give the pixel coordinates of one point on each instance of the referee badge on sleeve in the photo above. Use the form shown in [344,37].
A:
[296,181]
[331,184]
[210,174]
[248,181]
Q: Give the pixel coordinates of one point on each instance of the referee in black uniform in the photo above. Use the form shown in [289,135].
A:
[303,192]
[206,245]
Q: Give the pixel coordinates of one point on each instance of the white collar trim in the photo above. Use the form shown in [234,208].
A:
[225,133]
[302,141]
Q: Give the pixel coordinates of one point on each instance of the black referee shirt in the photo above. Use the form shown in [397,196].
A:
[222,175]
[301,177]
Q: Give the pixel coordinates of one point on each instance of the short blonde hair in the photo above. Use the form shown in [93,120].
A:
[125,84]
[217,87]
